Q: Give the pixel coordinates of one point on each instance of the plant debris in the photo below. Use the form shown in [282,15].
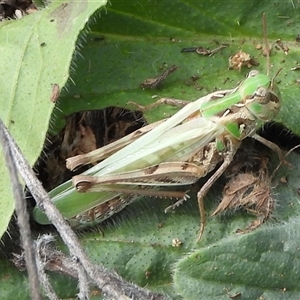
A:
[283,47]
[295,68]
[55,93]
[16,9]
[153,83]
[204,51]
[251,191]
[240,59]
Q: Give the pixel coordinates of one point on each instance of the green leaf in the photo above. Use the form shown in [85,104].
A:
[261,265]
[37,51]
[120,57]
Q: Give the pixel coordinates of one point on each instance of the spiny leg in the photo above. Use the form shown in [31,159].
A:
[206,187]
[162,101]
[273,147]
[181,103]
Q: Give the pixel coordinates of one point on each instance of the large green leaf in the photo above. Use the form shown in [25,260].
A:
[38,50]
[262,265]
[141,37]
[131,43]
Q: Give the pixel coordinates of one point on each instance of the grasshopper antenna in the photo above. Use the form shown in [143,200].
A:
[267,48]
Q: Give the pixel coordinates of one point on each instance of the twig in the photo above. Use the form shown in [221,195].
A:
[111,284]
[22,214]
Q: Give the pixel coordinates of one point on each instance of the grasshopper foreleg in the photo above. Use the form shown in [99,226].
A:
[231,146]
[206,187]
[177,102]
[273,147]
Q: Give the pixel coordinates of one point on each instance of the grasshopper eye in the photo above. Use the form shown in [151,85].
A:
[261,95]
[265,103]
[252,73]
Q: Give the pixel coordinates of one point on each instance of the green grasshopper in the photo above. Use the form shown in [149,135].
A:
[172,152]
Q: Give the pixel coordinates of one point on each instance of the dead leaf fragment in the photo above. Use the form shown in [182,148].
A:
[153,83]
[283,47]
[240,59]
[55,93]
[251,191]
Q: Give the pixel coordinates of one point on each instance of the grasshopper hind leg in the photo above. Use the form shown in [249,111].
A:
[206,187]
[274,147]
[177,203]
[232,146]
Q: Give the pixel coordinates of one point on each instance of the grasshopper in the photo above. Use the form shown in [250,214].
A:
[202,136]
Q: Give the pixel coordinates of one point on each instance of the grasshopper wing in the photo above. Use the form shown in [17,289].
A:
[173,140]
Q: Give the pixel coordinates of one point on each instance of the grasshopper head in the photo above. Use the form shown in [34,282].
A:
[264,102]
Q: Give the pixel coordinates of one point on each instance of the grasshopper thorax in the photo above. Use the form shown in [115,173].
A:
[265,102]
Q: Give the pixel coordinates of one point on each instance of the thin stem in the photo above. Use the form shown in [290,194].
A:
[264,22]
[23,217]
